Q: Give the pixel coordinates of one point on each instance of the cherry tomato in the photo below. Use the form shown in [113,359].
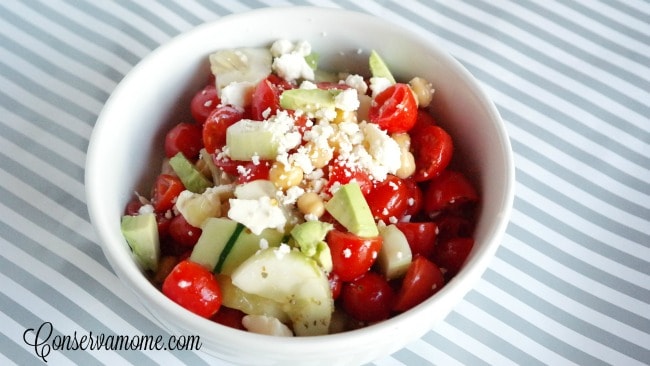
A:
[422,120]
[369,298]
[265,101]
[204,102]
[327,85]
[422,279]
[388,199]
[184,137]
[415,198]
[339,173]
[245,171]
[133,207]
[230,317]
[452,226]
[432,148]
[166,188]
[421,237]
[352,255]
[163,221]
[335,284]
[215,126]
[451,254]
[394,109]
[449,191]
[184,233]
[193,287]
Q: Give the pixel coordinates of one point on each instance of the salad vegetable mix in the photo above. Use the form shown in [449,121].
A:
[301,201]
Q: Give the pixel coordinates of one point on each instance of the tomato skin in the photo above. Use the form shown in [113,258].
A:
[204,102]
[394,109]
[265,97]
[133,207]
[335,284]
[166,188]
[193,287]
[229,317]
[432,148]
[452,226]
[421,281]
[369,298]
[216,124]
[185,138]
[415,198]
[235,167]
[421,237]
[339,173]
[352,255]
[184,233]
[451,254]
[388,199]
[449,191]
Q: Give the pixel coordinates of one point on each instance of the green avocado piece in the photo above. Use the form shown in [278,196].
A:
[378,67]
[308,100]
[349,207]
[191,177]
[141,233]
[310,238]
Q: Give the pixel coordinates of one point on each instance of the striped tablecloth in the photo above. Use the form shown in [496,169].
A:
[570,283]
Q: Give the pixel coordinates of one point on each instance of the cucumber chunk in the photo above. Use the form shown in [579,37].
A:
[191,177]
[378,67]
[240,65]
[247,138]
[395,255]
[141,233]
[309,100]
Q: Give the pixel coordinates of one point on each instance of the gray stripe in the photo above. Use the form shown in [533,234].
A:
[215,7]
[408,357]
[569,320]
[158,22]
[53,226]
[65,48]
[491,340]
[622,28]
[117,23]
[517,322]
[73,311]
[15,352]
[453,350]
[576,293]
[578,180]
[182,12]
[557,40]
[571,233]
[630,11]
[52,97]
[559,90]
[595,217]
[43,152]
[46,123]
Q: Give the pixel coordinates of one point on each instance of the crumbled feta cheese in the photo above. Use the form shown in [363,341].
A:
[289,60]
[238,94]
[347,100]
[378,85]
[258,214]
[308,85]
[280,47]
[347,253]
[357,82]
[145,209]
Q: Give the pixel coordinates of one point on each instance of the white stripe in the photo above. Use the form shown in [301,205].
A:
[141,24]
[387,361]
[68,152]
[583,197]
[603,31]
[507,334]
[594,231]
[544,323]
[45,108]
[71,38]
[199,11]
[166,15]
[234,6]
[64,324]
[14,331]
[471,345]
[431,353]
[607,10]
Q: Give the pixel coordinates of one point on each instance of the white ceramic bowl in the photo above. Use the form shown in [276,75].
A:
[126,148]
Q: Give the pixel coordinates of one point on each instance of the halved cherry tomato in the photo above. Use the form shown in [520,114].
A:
[184,137]
[166,188]
[229,317]
[265,101]
[394,109]
[335,284]
[215,126]
[449,191]
[369,298]
[184,233]
[340,173]
[422,279]
[424,118]
[388,199]
[415,198]
[193,287]
[452,226]
[451,254]
[245,171]
[432,148]
[352,255]
[421,237]
[133,207]
[204,102]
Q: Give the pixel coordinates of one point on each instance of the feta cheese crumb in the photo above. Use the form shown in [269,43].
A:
[238,94]
[145,209]
[378,85]
[347,100]
[258,214]
[357,82]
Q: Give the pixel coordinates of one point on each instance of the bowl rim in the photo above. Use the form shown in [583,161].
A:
[457,288]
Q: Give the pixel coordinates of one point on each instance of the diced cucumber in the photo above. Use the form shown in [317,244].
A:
[378,67]
[240,65]
[233,297]
[196,208]
[247,138]
[191,177]
[224,244]
[395,255]
[349,207]
[141,233]
[289,277]
[308,100]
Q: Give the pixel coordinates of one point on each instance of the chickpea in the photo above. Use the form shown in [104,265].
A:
[284,177]
[318,156]
[407,160]
[310,203]
[422,90]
